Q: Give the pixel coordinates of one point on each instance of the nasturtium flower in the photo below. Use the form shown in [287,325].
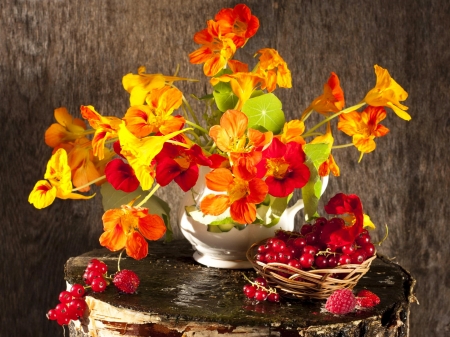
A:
[292,132]
[349,208]
[237,66]
[140,85]
[284,167]
[242,85]
[140,153]
[237,23]
[241,196]
[273,69]
[329,165]
[42,195]
[332,98]
[180,164]
[156,116]
[364,127]
[215,51]
[388,93]
[66,130]
[128,228]
[105,128]
[121,176]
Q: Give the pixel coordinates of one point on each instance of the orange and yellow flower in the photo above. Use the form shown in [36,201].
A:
[215,51]
[273,69]
[242,85]
[292,132]
[140,85]
[66,130]
[128,228]
[105,128]
[364,127]
[241,196]
[332,99]
[156,116]
[387,92]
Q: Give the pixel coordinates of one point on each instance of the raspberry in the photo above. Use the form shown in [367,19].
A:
[367,299]
[126,281]
[341,302]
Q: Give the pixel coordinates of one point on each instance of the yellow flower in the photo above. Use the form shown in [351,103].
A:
[141,84]
[67,129]
[388,93]
[292,132]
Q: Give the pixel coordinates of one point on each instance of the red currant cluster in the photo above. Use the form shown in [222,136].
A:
[95,275]
[305,250]
[260,291]
[71,307]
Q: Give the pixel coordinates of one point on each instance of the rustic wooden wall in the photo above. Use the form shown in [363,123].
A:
[66,53]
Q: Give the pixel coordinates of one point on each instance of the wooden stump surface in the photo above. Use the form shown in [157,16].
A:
[179,297]
[69,53]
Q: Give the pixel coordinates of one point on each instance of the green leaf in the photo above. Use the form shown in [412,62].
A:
[224,97]
[270,211]
[112,198]
[316,154]
[265,110]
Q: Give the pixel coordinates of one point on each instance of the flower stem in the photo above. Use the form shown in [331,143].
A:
[350,109]
[341,146]
[118,260]
[196,126]
[89,183]
[189,108]
[149,195]
[174,142]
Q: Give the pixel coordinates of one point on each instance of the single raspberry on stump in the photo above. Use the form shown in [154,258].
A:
[126,281]
[341,302]
[367,299]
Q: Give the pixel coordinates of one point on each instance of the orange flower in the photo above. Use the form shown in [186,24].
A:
[216,49]
[388,93]
[155,117]
[67,129]
[141,84]
[128,228]
[364,127]
[241,195]
[329,164]
[242,85]
[238,23]
[332,99]
[105,128]
[292,132]
[274,69]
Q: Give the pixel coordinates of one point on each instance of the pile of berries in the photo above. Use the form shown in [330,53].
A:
[306,250]
[95,275]
[343,301]
[72,306]
[260,291]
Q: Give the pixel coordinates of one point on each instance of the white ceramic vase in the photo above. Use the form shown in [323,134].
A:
[227,249]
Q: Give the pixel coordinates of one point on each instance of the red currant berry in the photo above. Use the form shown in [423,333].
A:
[321,221]
[262,249]
[299,242]
[261,281]
[363,239]
[331,247]
[282,235]
[344,259]
[332,261]
[52,315]
[271,257]
[306,260]
[77,290]
[310,249]
[92,264]
[249,290]
[295,251]
[260,295]
[86,277]
[64,320]
[284,257]
[65,297]
[358,256]
[348,249]
[295,263]
[98,284]
[278,245]
[306,228]
[369,248]
[76,308]
[273,297]
[92,275]
[102,268]
[312,238]
[338,222]
[260,257]
[321,262]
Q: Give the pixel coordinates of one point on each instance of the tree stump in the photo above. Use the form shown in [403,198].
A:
[179,297]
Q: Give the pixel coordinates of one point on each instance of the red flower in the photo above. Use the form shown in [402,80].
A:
[343,232]
[283,165]
[121,176]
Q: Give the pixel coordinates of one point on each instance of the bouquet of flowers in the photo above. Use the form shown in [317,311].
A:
[256,158]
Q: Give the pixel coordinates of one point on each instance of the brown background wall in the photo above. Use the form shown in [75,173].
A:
[67,53]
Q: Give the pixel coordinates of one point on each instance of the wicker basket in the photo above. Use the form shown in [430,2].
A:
[317,283]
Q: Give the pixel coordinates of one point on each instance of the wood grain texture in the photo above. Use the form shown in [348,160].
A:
[67,53]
